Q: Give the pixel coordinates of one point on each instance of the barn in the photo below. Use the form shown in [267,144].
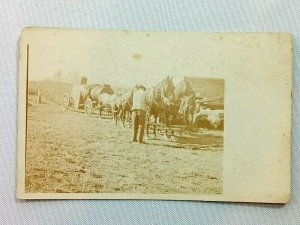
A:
[210,91]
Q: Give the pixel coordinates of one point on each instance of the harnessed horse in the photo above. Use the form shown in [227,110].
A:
[185,98]
[161,100]
[125,107]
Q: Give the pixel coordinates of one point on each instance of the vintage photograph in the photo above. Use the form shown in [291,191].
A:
[89,133]
[102,137]
[153,115]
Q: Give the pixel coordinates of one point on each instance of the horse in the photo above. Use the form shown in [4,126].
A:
[116,100]
[124,107]
[185,99]
[187,109]
[160,100]
[108,101]
[183,88]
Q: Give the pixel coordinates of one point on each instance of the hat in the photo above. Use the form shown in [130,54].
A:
[140,86]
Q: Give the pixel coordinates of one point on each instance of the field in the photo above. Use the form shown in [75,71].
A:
[69,152]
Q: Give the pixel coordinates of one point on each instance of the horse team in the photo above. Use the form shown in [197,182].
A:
[167,104]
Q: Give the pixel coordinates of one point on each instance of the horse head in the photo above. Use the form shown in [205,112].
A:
[183,88]
[168,91]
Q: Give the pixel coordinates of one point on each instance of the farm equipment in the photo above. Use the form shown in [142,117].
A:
[86,98]
[167,124]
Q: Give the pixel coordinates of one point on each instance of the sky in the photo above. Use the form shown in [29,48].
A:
[119,58]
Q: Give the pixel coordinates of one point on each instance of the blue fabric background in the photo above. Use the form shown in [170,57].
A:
[167,15]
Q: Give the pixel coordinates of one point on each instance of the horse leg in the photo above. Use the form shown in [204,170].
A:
[192,119]
[126,118]
[154,130]
[120,115]
[116,117]
[188,122]
[147,125]
[99,105]
[130,118]
[113,113]
[147,130]
[154,126]
[116,114]
[123,118]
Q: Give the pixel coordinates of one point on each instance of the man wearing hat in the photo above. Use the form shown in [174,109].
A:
[139,113]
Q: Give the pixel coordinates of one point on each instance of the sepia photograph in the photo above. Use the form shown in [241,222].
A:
[104,137]
[156,136]
[121,114]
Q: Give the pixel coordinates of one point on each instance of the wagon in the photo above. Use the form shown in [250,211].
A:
[85,98]
[169,130]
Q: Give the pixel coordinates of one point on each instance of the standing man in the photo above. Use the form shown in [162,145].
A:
[139,113]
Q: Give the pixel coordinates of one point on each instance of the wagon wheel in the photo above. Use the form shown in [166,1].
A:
[65,102]
[88,107]
[71,104]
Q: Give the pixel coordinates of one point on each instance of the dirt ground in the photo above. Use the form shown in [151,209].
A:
[71,152]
